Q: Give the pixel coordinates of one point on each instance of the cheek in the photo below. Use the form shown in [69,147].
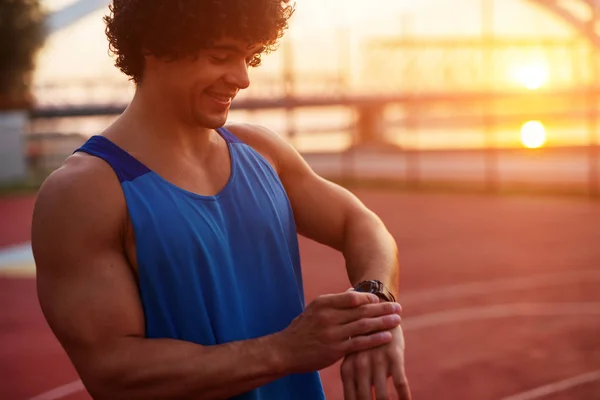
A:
[198,102]
[184,78]
[196,93]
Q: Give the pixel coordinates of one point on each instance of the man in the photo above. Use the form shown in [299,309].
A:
[166,247]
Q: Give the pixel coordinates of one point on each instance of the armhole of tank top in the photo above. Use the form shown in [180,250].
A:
[231,138]
[126,167]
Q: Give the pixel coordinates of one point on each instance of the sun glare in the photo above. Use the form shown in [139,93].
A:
[532,76]
[533,134]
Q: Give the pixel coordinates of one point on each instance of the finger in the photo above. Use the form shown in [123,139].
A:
[348,299]
[380,375]
[364,389]
[366,342]
[362,377]
[368,311]
[350,390]
[368,325]
[400,381]
[348,379]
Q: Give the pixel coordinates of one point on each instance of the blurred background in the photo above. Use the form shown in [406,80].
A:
[443,116]
[484,93]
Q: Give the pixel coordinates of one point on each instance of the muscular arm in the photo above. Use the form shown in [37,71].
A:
[328,213]
[89,296]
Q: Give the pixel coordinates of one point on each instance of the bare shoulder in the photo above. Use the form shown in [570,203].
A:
[81,184]
[269,144]
[81,200]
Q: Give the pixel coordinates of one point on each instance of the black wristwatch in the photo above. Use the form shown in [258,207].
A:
[377,288]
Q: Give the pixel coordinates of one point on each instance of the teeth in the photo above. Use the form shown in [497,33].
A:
[224,99]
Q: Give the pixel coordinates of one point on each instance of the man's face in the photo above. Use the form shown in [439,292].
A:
[202,89]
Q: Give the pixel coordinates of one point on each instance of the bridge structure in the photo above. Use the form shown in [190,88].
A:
[583,16]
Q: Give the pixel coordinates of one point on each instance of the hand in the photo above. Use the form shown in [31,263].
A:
[333,326]
[368,370]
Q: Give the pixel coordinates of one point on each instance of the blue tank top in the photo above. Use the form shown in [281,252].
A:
[216,269]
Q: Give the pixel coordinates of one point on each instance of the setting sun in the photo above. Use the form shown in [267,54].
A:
[533,134]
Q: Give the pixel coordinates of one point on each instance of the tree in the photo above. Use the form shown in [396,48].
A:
[22,33]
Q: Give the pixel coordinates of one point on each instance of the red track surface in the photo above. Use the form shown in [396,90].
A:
[15,219]
[445,240]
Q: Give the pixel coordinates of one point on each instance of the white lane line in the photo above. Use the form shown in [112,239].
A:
[500,285]
[556,387]
[61,391]
[16,255]
[499,311]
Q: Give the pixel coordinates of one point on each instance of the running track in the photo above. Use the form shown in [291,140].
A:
[500,297]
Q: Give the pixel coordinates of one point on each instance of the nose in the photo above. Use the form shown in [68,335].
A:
[238,76]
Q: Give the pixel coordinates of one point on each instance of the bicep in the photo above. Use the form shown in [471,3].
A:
[89,298]
[86,287]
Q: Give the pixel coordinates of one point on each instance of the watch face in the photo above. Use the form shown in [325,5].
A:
[376,288]
[367,287]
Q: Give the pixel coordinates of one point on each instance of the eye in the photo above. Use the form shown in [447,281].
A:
[219,60]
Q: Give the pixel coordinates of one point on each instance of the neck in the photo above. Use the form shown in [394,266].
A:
[158,123]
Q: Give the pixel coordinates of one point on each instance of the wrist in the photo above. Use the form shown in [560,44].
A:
[281,357]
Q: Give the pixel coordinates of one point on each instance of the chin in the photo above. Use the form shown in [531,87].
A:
[211,121]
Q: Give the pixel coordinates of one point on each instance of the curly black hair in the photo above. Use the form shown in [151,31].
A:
[174,29]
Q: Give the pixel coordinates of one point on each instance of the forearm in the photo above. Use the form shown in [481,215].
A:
[370,251]
[169,369]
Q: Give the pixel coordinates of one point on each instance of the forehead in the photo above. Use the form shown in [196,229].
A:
[237,46]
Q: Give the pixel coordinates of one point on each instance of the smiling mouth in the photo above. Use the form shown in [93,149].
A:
[222,98]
